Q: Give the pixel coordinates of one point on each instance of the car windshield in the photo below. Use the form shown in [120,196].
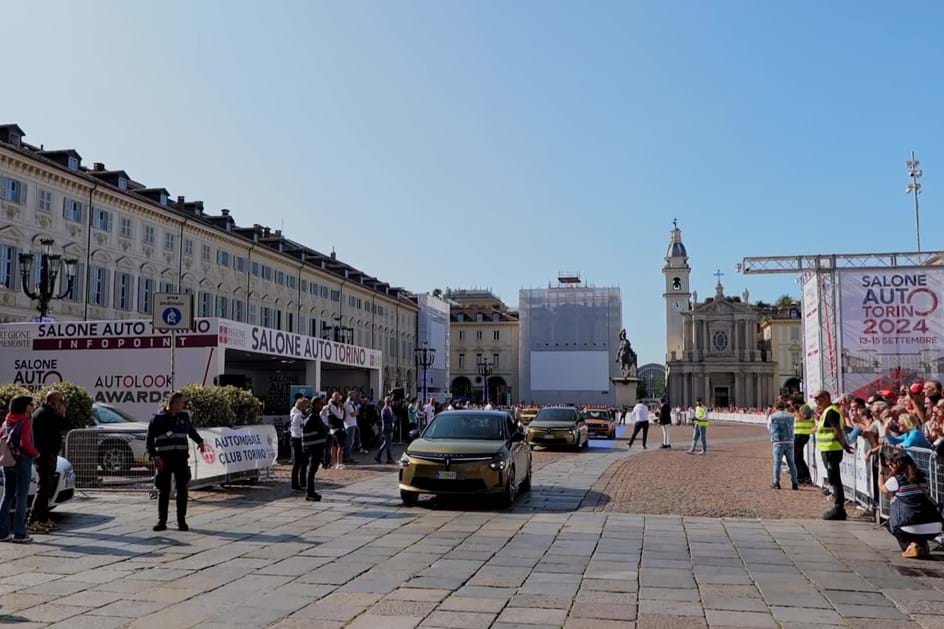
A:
[556,415]
[108,415]
[465,426]
[597,414]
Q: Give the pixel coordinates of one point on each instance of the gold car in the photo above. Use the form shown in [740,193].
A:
[559,426]
[601,422]
[467,452]
[526,414]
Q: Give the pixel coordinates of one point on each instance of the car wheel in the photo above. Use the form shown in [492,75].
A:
[409,498]
[511,490]
[526,483]
[114,458]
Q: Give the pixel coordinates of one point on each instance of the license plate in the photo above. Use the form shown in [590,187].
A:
[446,475]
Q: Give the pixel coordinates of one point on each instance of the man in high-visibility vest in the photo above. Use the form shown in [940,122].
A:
[803,426]
[701,427]
[831,443]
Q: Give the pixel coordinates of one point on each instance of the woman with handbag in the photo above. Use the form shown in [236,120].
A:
[16,456]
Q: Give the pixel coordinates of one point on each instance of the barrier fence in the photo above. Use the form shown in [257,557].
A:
[859,476]
[107,458]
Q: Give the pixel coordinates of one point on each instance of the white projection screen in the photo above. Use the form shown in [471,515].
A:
[570,371]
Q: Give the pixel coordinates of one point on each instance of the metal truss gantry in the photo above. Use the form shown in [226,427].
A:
[802,264]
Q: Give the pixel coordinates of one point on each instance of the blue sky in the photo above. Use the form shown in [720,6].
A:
[492,144]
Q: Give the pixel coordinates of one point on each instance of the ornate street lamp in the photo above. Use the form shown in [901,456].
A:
[485,369]
[50,267]
[425,357]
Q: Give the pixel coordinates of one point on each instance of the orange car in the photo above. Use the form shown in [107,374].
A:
[601,422]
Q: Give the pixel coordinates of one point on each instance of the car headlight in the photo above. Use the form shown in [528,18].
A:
[404,460]
[498,464]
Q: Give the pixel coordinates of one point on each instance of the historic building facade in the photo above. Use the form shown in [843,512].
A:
[713,348]
[482,329]
[132,241]
[782,332]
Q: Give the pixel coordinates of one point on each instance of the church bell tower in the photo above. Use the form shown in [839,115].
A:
[677,293]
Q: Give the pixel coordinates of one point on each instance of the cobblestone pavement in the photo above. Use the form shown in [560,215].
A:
[361,560]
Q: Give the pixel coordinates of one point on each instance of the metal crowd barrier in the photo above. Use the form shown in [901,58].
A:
[116,459]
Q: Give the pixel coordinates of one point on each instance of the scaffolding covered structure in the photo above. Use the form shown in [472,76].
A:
[569,335]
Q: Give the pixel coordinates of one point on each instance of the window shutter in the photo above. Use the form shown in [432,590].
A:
[65,207]
[22,187]
[108,222]
[105,289]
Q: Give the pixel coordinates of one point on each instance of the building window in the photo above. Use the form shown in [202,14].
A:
[222,307]
[167,286]
[292,281]
[461,361]
[478,359]
[795,334]
[127,230]
[73,163]
[222,258]
[460,317]
[123,183]
[496,335]
[102,220]
[163,198]
[335,295]
[170,241]
[205,253]
[278,319]
[8,266]
[266,317]
[72,210]
[267,273]
[280,278]
[148,238]
[77,285]
[255,269]
[478,335]
[461,335]
[123,291]
[720,340]
[324,293]
[313,327]
[496,316]
[290,319]
[253,314]
[145,294]
[45,200]
[98,291]
[479,316]
[238,309]
[239,263]
[188,247]
[494,361]
[206,301]
[304,286]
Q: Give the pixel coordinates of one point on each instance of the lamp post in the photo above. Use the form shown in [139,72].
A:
[485,370]
[50,267]
[425,357]
[914,188]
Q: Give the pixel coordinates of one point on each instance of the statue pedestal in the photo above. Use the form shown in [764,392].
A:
[625,391]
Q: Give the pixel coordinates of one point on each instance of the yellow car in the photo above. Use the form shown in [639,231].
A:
[600,422]
[467,452]
[526,414]
[559,426]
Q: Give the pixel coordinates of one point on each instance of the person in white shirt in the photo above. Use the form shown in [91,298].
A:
[429,412]
[640,416]
[297,418]
[350,426]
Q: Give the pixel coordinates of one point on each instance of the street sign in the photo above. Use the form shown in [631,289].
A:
[173,311]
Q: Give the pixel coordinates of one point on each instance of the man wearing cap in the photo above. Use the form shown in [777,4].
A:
[831,442]
[803,425]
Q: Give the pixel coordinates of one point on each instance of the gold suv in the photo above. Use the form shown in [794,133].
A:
[467,452]
[559,426]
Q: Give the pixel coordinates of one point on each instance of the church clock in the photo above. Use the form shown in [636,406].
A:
[678,306]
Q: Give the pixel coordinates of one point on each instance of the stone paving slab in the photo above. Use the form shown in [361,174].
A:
[360,559]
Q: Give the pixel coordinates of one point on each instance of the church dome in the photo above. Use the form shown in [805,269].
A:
[676,250]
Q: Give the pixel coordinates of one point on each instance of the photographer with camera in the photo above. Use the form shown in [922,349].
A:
[913,519]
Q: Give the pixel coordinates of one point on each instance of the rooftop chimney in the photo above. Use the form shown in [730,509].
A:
[334,256]
[224,212]
[98,166]
[180,203]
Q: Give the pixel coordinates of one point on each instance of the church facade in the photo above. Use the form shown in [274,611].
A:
[714,350]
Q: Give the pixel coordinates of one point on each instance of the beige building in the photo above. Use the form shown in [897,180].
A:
[482,329]
[133,240]
[782,334]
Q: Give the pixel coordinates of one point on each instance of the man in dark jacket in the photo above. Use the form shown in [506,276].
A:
[665,422]
[314,440]
[47,437]
[167,444]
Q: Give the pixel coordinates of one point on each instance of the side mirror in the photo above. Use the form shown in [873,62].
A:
[413,434]
[517,437]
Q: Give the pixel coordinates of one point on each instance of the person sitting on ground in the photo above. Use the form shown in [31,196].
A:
[913,518]
[910,437]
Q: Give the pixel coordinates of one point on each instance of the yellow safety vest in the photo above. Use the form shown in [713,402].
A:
[701,417]
[804,426]
[825,438]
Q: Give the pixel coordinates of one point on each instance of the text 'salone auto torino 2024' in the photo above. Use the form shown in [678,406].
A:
[467,452]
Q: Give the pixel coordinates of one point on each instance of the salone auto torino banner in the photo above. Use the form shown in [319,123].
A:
[892,327]
[123,363]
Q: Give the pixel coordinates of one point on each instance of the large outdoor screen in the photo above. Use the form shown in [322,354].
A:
[570,371]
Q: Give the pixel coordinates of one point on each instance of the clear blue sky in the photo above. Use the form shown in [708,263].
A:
[492,143]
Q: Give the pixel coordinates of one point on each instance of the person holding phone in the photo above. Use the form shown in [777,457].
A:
[169,449]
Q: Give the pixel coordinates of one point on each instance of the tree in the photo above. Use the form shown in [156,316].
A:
[784,301]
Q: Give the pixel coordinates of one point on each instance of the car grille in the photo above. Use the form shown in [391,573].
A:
[455,458]
[438,485]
